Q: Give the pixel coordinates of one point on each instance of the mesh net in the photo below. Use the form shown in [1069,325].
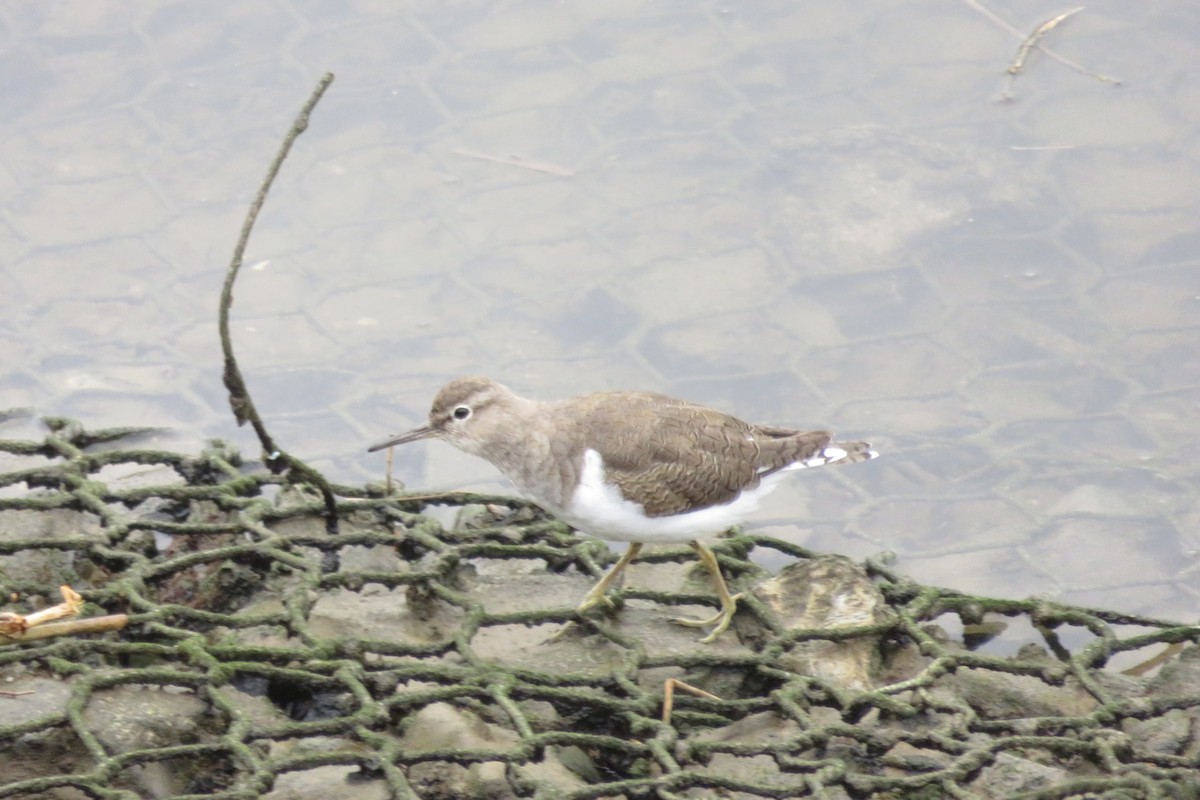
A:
[405,657]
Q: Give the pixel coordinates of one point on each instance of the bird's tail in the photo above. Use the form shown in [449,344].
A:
[838,453]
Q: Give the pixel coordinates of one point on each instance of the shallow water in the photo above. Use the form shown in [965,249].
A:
[800,215]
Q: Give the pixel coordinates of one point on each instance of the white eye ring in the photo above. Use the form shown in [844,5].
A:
[461,413]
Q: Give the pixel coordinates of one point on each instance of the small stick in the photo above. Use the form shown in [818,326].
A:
[277,460]
[1034,40]
[1156,661]
[669,687]
[113,622]
[391,456]
[17,624]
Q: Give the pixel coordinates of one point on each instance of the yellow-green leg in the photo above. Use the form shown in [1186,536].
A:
[597,595]
[728,601]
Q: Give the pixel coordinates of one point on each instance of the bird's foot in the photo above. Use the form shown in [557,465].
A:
[720,620]
[596,597]
[562,632]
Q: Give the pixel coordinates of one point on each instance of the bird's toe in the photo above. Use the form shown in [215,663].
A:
[720,620]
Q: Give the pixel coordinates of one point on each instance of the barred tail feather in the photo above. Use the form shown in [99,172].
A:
[837,453]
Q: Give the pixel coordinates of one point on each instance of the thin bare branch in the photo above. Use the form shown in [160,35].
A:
[239,396]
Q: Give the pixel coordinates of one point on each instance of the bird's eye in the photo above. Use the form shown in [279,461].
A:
[462,412]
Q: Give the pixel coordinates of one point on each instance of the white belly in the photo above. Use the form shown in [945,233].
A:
[598,508]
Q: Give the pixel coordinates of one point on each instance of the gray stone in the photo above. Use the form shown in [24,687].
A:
[322,783]
[1001,695]
[43,565]
[441,726]
[127,718]
[1165,735]
[829,592]
[379,558]
[530,648]
[343,614]
[35,698]
[1179,677]
[1009,775]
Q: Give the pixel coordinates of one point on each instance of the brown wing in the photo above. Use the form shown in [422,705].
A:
[671,456]
[784,446]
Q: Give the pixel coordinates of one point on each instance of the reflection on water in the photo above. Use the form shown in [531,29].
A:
[802,216]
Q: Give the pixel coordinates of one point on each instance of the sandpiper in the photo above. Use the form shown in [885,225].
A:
[636,467]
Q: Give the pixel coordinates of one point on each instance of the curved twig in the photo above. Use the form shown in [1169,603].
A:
[239,396]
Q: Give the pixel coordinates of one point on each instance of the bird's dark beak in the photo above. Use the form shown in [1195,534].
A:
[423,432]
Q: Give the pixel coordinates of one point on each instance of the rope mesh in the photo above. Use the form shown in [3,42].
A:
[404,658]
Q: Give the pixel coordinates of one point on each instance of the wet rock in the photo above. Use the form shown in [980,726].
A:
[761,730]
[133,717]
[1010,775]
[1001,695]
[905,759]
[1169,734]
[1121,686]
[1179,676]
[124,477]
[541,714]
[252,707]
[827,593]
[128,718]
[533,648]
[578,763]
[385,615]
[34,698]
[322,783]
[473,515]
[266,635]
[45,751]
[765,732]
[374,559]
[506,586]
[441,726]
[37,563]
[559,772]
[759,770]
